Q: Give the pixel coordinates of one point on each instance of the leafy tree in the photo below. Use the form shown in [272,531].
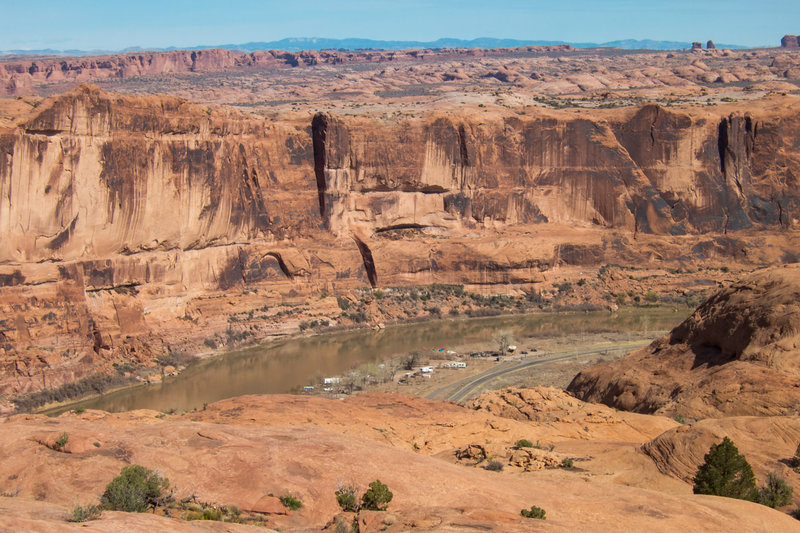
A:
[776,493]
[135,490]
[726,472]
[377,497]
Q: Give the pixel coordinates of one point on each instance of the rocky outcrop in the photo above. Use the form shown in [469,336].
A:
[136,225]
[789,41]
[736,355]
[768,444]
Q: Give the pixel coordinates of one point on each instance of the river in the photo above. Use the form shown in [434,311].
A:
[287,365]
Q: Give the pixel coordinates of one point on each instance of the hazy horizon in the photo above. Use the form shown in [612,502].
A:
[89,25]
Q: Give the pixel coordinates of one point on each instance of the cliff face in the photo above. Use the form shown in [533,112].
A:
[132,225]
[657,172]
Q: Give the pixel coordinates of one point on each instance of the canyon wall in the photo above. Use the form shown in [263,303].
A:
[133,226]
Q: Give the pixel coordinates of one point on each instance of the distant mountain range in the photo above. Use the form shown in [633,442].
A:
[314,43]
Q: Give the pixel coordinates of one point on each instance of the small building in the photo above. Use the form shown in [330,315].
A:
[455,364]
[332,381]
[426,370]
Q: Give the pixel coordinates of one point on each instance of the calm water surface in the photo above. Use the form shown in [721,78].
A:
[285,366]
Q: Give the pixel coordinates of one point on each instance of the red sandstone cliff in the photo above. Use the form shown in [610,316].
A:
[131,223]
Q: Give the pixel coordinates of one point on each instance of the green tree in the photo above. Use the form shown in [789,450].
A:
[726,472]
[135,490]
[776,493]
[377,497]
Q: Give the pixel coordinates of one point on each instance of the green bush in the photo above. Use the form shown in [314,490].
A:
[725,472]
[533,512]
[794,462]
[135,490]
[291,503]
[377,497]
[651,297]
[84,514]
[346,498]
[524,443]
[566,462]
[62,441]
[776,493]
[344,303]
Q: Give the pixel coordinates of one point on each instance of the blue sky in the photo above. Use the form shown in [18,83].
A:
[112,24]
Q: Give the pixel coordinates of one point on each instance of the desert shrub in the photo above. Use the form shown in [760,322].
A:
[794,462]
[564,288]
[290,502]
[566,462]
[726,472]
[776,492]
[524,443]
[377,497]
[494,466]
[62,441]
[211,343]
[346,498]
[84,514]
[533,512]
[651,297]
[679,419]
[344,303]
[79,410]
[135,490]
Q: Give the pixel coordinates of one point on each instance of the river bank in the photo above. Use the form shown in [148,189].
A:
[289,364]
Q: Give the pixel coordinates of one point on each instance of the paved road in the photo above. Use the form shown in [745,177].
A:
[461,390]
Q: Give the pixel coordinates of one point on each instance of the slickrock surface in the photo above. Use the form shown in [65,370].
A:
[241,450]
[737,354]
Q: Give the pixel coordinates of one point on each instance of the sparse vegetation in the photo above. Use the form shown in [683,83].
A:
[794,462]
[84,514]
[135,490]
[726,472]
[346,498]
[524,443]
[494,466]
[534,512]
[62,441]
[566,462]
[776,492]
[290,502]
[377,497]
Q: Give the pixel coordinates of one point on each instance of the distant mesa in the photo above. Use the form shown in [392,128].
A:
[710,45]
[790,41]
[697,45]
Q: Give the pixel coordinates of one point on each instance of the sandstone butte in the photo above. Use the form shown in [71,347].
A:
[135,225]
